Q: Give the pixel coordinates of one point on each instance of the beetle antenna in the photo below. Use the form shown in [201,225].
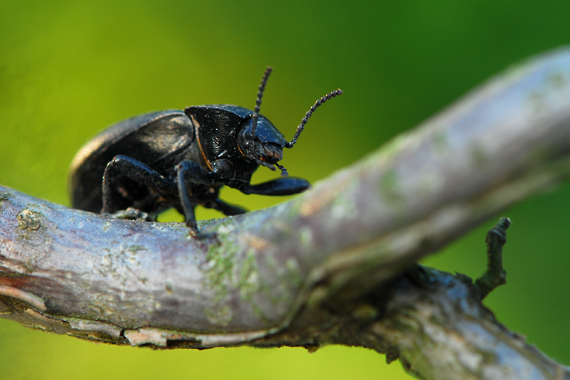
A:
[258,101]
[301,126]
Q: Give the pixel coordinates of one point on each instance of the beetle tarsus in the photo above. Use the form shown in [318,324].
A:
[132,213]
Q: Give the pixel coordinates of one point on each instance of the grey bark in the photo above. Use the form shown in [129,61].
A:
[334,265]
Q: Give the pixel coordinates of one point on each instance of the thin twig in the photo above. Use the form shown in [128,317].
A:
[495,275]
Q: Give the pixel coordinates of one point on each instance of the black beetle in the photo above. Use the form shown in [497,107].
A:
[181,159]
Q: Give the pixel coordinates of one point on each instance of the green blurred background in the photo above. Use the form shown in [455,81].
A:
[68,69]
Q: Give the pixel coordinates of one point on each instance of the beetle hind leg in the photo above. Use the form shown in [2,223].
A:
[226,208]
[127,167]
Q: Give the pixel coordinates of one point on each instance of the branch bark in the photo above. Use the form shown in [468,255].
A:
[331,266]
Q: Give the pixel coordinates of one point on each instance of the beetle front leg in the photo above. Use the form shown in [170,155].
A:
[279,186]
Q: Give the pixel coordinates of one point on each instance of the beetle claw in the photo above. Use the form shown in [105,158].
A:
[132,213]
[204,235]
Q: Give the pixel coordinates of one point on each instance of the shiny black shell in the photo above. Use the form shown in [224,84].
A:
[161,140]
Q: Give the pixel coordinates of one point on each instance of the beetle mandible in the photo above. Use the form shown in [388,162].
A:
[181,159]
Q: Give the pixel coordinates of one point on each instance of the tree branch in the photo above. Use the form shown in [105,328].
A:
[281,276]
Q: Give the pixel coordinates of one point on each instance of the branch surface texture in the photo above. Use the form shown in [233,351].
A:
[334,265]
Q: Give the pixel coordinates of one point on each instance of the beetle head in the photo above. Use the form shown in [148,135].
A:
[262,144]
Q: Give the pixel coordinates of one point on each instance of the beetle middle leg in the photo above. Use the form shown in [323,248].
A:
[190,173]
[127,167]
[226,208]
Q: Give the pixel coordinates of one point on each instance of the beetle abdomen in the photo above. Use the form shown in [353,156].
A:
[155,139]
